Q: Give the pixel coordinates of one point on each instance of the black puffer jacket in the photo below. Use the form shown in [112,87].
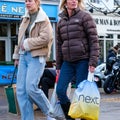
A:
[77,38]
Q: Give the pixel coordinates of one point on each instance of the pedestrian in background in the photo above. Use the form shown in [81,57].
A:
[77,48]
[47,80]
[34,47]
[113,51]
[111,58]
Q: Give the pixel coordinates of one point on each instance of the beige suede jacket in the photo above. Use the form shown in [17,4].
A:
[41,36]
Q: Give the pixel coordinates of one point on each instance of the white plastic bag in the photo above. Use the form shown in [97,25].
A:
[55,108]
[50,118]
[86,100]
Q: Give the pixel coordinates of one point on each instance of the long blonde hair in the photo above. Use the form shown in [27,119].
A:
[80,4]
[37,2]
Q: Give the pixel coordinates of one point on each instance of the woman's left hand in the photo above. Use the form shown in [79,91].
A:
[91,69]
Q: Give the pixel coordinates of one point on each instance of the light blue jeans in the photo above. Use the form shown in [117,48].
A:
[30,70]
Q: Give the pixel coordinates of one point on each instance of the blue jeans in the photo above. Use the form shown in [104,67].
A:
[30,70]
[68,70]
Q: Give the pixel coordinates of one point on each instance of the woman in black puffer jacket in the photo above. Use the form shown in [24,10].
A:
[77,48]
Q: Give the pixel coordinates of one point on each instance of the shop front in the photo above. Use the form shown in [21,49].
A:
[10,17]
[108,28]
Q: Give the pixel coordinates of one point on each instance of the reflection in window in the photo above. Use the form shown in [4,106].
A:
[3,29]
[13,43]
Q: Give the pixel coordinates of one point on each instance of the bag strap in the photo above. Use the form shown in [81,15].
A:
[90,76]
[13,76]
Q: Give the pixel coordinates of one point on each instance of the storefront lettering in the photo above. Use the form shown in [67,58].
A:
[17,9]
[107,22]
[10,16]
[116,22]
[3,8]
[9,76]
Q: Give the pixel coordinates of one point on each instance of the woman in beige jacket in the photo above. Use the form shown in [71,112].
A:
[34,46]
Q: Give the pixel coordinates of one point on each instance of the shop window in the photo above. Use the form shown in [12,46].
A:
[13,29]
[109,44]
[14,36]
[3,29]
[109,36]
[118,36]
[2,50]
[13,43]
[101,55]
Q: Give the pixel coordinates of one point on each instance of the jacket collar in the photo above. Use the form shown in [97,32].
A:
[41,16]
[64,14]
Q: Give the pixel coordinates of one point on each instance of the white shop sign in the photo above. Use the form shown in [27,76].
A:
[107,24]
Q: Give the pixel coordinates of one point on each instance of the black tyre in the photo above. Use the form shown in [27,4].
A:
[108,85]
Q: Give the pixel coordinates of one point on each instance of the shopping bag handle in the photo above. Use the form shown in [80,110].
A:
[13,76]
[90,76]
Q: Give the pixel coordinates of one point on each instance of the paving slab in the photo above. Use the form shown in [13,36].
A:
[109,107]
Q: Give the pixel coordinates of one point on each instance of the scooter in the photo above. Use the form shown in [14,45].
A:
[99,75]
[112,81]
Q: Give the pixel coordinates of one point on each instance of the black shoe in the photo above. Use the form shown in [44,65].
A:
[65,108]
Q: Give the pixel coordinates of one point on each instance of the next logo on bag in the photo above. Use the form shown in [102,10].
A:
[88,99]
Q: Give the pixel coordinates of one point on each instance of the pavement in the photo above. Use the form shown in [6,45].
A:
[109,107]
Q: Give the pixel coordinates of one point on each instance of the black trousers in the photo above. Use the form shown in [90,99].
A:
[47,81]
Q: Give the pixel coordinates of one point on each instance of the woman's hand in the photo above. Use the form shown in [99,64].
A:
[16,62]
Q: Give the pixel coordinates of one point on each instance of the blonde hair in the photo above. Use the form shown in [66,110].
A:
[37,2]
[80,4]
